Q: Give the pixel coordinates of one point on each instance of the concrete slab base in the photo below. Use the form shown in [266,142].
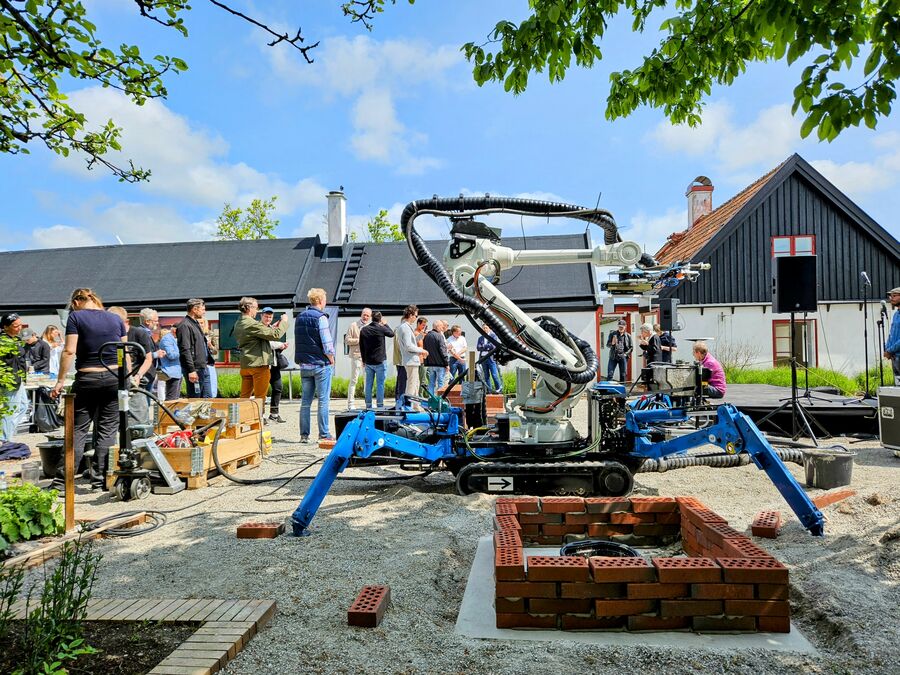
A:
[476,620]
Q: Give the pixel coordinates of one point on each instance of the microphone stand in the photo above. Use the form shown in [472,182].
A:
[882,315]
[866,331]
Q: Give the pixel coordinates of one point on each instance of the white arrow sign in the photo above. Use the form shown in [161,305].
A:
[500,484]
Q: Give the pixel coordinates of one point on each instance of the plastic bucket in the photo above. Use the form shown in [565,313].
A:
[51,456]
[828,468]
[31,472]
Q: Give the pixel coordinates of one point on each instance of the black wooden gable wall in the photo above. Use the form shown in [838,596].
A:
[741,256]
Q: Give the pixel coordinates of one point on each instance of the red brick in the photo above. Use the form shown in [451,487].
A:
[259,530]
[509,605]
[506,523]
[832,497]
[698,515]
[673,518]
[562,504]
[744,624]
[327,443]
[650,591]
[722,591]
[541,518]
[606,531]
[719,532]
[624,607]
[689,607]
[561,530]
[525,589]
[774,624]
[592,590]
[687,570]
[753,571]
[607,504]
[586,518]
[530,528]
[766,524]
[642,622]
[757,608]
[526,621]
[622,570]
[656,530]
[504,509]
[653,504]
[560,605]
[557,568]
[743,547]
[589,622]
[509,564]
[689,502]
[772,592]
[507,539]
[367,610]
[623,518]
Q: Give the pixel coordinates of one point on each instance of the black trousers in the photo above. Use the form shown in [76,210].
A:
[277,387]
[96,403]
[400,387]
[173,388]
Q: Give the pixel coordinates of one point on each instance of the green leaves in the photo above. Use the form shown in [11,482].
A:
[707,42]
[26,511]
[254,222]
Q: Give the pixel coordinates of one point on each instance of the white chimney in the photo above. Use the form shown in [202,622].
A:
[699,194]
[337,218]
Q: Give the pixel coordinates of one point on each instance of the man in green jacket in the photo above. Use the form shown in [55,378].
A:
[256,352]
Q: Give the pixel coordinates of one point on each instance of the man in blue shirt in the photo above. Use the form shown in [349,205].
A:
[892,346]
[315,354]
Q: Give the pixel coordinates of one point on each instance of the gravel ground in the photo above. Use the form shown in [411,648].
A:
[419,537]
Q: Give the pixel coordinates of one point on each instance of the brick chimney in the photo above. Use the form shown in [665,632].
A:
[337,218]
[699,194]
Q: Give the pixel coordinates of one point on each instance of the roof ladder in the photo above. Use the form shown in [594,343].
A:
[348,275]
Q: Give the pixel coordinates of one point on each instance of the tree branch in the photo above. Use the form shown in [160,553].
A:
[279,37]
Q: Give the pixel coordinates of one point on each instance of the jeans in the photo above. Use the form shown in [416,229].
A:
[435,378]
[400,388]
[315,382]
[375,374]
[200,388]
[18,408]
[356,367]
[895,366]
[492,376]
[139,405]
[213,381]
[711,392]
[457,367]
[611,365]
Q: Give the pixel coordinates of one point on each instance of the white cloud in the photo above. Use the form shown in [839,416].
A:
[651,231]
[187,163]
[374,74]
[768,139]
[62,236]
[855,178]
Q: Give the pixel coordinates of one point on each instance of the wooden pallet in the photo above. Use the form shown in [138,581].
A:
[249,418]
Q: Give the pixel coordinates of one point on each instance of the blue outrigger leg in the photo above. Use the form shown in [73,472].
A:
[361,439]
[734,432]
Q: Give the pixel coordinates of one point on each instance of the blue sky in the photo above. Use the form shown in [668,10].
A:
[394,115]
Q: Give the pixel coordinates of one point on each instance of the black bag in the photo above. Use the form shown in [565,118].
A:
[281,360]
[46,418]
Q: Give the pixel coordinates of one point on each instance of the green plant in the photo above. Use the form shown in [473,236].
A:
[52,632]
[26,511]
[254,222]
[8,346]
[11,580]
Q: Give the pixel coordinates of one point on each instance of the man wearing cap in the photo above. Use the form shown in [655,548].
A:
[278,363]
[12,376]
[37,352]
[253,338]
[620,347]
[892,346]
[193,350]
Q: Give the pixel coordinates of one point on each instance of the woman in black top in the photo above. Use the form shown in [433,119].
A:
[90,326]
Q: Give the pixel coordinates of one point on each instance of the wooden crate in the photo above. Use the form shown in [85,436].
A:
[247,423]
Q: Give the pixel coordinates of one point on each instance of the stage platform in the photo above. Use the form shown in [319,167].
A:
[839,415]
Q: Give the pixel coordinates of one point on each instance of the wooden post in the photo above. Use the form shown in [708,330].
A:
[69,416]
[471,374]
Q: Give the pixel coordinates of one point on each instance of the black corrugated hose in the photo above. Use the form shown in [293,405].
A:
[716,461]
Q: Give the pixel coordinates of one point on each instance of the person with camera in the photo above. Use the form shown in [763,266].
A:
[253,338]
[279,362]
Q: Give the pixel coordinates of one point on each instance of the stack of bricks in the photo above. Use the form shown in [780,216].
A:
[493,403]
[727,583]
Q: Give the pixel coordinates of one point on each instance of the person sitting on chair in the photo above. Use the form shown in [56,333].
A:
[714,386]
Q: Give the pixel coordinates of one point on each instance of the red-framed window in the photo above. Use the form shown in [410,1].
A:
[805,346]
[800,244]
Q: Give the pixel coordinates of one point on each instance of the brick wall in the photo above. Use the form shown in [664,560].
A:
[727,582]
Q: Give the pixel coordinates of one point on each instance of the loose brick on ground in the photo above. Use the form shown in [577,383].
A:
[766,524]
[832,497]
[368,609]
